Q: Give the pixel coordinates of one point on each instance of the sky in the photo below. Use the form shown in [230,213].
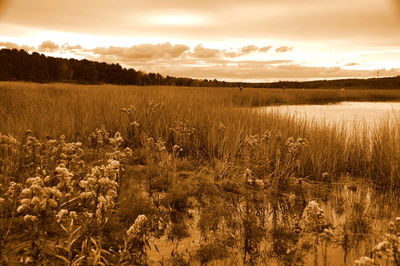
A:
[233,40]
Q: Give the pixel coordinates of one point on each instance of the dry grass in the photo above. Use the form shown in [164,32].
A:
[76,110]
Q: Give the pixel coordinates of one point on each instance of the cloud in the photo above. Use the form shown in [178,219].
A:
[142,51]
[11,45]
[271,72]
[352,64]
[248,49]
[265,49]
[283,49]
[67,47]
[252,48]
[167,51]
[204,62]
[48,46]
[202,52]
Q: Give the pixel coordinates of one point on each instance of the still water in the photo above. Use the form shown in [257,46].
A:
[347,113]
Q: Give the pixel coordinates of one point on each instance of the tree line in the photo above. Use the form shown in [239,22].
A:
[18,65]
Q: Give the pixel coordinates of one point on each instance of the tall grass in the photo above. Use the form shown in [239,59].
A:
[76,110]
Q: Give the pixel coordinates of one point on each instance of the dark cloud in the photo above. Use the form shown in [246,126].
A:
[283,49]
[11,45]
[48,46]
[143,51]
[248,49]
[202,52]
[265,49]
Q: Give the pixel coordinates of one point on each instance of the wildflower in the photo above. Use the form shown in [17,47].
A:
[99,137]
[382,246]
[12,190]
[73,215]
[86,195]
[327,233]
[292,197]
[259,182]
[135,124]
[117,140]
[88,215]
[364,261]
[64,178]
[266,136]
[313,217]
[136,227]
[248,176]
[325,175]
[160,144]
[128,152]
[52,203]
[25,202]
[20,208]
[60,214]
[30,218]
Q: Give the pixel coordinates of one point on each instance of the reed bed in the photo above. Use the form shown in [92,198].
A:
[50,110]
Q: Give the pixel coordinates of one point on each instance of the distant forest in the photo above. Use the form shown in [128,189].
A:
[18,65]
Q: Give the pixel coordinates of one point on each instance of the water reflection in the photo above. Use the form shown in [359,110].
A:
[347,113]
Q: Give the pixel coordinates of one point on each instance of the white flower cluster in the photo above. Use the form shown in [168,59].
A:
[64,212]
[68,152]
[313,218]
[160,144]
[65,180]
[137,227]
[295,146]
[256,140]
[116,153]
[37,198]
[364,261]
[252,180]
[117,140]
[31,148]
[8,144]
[12,190]
[99,137]
[101,186]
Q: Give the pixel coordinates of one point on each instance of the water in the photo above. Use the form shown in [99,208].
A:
[345,113]
[358,215]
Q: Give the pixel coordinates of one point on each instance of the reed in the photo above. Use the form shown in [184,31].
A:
[76,110]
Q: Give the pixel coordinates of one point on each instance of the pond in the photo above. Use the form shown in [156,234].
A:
[347,113]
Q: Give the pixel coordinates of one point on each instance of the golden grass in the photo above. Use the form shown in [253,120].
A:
[76,110]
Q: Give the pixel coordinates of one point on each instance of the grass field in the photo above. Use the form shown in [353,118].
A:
[174,153]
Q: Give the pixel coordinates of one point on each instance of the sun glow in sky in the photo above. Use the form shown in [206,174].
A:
[177,20]
[253,40]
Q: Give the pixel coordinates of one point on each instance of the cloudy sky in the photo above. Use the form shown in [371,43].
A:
[252,40]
